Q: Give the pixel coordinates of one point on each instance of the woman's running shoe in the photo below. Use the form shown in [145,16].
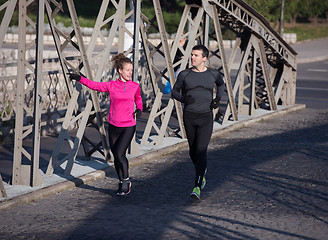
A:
[124,188]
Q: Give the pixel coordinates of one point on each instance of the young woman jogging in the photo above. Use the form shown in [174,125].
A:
[124,95]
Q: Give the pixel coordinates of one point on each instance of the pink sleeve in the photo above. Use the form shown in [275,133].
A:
[138,99]
[98,86]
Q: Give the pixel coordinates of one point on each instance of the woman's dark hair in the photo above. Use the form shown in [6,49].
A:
[203,49]
[119,61]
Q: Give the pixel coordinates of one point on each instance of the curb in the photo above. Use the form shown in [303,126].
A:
[136,161]
[247,122]
[313,59]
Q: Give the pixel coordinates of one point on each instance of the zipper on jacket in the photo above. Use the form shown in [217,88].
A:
[124,86]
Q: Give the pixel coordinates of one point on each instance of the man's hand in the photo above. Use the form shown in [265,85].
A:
[188,100]
[215,103]
[138,113]
[74,76]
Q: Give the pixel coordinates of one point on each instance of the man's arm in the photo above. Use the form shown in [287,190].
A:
[176,91]
[220,86]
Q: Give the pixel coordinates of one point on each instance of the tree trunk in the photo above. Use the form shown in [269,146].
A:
[293,19]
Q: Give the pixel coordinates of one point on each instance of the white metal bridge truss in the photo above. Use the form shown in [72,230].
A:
[264,65]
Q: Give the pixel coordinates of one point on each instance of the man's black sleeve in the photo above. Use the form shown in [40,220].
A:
[220,86]
[178,86]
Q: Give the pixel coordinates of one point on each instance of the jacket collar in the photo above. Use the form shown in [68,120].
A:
[119,79]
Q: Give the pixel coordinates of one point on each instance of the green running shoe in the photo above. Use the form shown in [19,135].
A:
[195,193]
[203,183]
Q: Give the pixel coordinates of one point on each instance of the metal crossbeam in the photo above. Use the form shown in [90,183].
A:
[151,124]
[238,16]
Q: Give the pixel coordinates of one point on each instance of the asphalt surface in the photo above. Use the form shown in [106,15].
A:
[267,180]
[312,84]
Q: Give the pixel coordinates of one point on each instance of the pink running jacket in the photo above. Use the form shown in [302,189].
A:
[122,96]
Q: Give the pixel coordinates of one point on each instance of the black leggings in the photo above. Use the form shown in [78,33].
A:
[119,141]
[199,129]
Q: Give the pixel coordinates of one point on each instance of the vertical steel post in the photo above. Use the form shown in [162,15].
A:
[23,174]
[2,188]
[20,86]
[226,71]
[206,30]
[252,98]
[121,31]
[36,179]
[137,18]
[281,23]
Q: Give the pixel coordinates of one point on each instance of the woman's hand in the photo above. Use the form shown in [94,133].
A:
[138,113]
[74,76]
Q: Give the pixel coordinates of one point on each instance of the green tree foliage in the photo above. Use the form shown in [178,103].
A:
[14,20]
[291,10]
[270,9]
[294,9]
[313,8]
[172,11]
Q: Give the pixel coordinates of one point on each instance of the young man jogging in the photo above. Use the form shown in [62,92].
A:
[194,88]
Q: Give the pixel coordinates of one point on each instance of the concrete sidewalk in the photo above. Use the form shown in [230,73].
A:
[86,171]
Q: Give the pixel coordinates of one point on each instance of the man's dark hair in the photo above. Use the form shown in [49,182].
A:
[203,49]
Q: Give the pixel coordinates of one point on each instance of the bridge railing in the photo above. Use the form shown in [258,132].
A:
[265,73]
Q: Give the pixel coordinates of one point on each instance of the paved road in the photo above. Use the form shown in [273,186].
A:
[312,84]
[266,181]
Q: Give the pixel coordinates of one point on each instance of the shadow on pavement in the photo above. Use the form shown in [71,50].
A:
[253,185]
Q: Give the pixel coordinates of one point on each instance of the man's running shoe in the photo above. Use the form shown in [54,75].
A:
[203,183]
[195,193]
[125,189]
